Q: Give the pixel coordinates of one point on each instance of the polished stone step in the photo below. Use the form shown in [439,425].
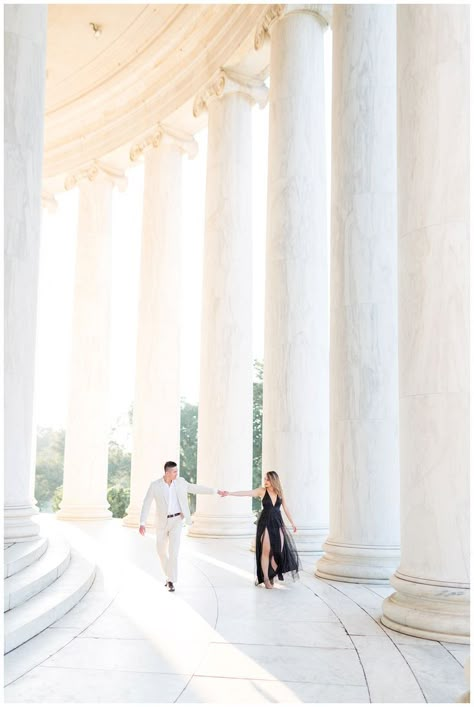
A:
[17,556]
[30,618]
[34,578]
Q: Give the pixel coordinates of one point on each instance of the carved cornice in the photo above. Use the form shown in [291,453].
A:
[48,201]
[151,140]
[322,12]
[228,81]
[95,172]
[163,135]
[263,29]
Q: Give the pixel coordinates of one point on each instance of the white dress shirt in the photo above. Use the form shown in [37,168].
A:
[173,503]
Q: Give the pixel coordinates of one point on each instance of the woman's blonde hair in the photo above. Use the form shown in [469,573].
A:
[274,479]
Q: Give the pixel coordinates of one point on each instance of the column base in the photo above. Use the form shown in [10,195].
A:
[132,519]
[363,564]
[309,541]
[84,513]
[213,526]
[18,524]
[439,612]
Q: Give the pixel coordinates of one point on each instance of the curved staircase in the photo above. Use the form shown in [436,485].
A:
[44,579]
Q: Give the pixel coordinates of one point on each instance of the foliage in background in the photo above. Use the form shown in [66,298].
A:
[257,429]
[50,458]
[49,473]
[49,466]
[188,447]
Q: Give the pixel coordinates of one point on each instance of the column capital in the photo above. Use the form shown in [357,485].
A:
[48,201]
[277,12]
[164,135]
[97,171]
[227,81]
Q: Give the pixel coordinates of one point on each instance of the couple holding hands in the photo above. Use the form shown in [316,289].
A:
[275,550]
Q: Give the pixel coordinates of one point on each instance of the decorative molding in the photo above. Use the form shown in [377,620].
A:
[263,29]
[151,140]
[214,89]
[322,12]
[97,171]
[163,135]
[49,202]
[228,81]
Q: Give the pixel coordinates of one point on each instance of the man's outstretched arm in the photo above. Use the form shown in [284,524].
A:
[197,488]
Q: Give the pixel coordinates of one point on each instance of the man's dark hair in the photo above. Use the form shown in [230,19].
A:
[170,465]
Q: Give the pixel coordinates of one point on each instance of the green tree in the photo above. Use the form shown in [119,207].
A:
[188,446]
[49,465]
[57,498]
[257,429]
[119,466]
[119,499]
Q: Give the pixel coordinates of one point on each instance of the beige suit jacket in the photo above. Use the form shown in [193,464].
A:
[157,492]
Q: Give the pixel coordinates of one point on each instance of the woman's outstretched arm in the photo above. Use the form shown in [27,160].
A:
[253,492]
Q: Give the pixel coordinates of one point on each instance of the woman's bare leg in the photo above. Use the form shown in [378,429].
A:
[265,558]
[273,563]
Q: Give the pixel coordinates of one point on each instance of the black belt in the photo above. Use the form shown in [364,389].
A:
[173,515]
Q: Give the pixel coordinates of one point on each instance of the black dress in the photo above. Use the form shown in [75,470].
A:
[286,557]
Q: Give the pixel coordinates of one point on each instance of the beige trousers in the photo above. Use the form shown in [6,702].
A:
[168,539]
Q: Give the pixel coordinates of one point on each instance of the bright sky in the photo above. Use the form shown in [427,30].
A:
[57,278]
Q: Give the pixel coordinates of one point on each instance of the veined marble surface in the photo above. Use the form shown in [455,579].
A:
[156,412]
[25,66]
[219,639]
[364,458]
[225,401]
[296,386]
[86,447]
[432,596]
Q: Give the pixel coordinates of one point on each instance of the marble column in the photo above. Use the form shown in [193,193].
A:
[87,426]
[364,532]
[431,582]
[296,340]
[156,409]
[25,29]
[225,401]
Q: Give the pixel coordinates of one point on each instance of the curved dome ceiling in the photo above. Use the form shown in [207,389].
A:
[105,88]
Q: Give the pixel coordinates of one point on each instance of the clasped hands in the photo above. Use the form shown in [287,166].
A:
[222,493]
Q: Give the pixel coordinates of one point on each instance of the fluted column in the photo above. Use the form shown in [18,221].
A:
[87,427]
[364,533]
[156,409]
[431,582]
[225,401]
[25,60]
[296,343]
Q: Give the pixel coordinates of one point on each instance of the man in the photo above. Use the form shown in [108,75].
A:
[170,494]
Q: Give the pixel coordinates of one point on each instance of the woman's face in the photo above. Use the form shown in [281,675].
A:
[266,482]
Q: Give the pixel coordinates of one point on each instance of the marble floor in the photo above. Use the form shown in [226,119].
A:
[220,639]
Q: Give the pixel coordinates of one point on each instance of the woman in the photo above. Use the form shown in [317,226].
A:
[274,548]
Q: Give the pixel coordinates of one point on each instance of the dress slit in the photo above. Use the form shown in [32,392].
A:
[283,551]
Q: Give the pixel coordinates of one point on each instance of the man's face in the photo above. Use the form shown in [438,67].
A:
[171,473]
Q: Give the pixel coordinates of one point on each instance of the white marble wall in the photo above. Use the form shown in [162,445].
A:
[156,410]
[87,427]
[296,344]
[225,399]
[364,537]
[433,228]
[25,28]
